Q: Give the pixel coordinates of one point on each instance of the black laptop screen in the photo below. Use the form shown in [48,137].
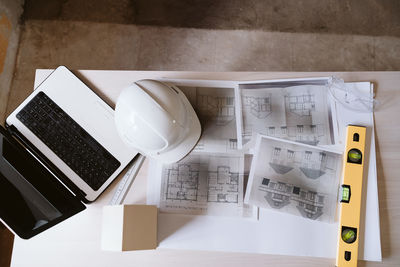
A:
[31,198]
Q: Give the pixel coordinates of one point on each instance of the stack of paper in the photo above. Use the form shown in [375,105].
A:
[269,144]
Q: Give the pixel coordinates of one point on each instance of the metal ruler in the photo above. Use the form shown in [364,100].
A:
[127,181]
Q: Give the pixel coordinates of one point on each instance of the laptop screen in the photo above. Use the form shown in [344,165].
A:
[31,197]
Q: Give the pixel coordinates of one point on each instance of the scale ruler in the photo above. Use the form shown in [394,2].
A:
[127,181]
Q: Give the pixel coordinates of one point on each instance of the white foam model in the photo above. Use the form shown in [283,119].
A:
[157,119]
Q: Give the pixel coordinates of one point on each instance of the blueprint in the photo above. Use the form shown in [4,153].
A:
[298,113]
[204,184]
[215,108]
[294,178]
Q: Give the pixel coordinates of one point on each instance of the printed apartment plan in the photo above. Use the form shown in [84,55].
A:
[298,113]
[204,184]
[294,178]
[215,108]
[210,180]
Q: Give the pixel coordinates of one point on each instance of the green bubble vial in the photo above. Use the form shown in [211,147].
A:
[354,155]
[345,194]
[348,236]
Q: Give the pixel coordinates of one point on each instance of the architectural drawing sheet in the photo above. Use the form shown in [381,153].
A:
[294,178]
[204,184]
[298,113]
[215,233]
[215,108]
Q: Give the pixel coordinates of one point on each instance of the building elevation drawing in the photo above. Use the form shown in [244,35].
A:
[215,108]
[294,178]
[310,204]
[313,164]
[298,113]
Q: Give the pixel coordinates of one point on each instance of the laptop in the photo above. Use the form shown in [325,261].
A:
[59,150]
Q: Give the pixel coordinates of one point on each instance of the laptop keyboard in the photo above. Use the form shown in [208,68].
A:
[69,141]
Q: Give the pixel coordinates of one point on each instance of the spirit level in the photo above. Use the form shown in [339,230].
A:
[350,197]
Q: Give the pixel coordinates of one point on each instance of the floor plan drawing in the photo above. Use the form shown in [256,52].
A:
[204,184]
[223,185]
[182,182]
[294,178]
[215,108]
[298,113]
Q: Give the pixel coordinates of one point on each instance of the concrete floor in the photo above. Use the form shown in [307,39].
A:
[361,17]
[202,35]
[213,35]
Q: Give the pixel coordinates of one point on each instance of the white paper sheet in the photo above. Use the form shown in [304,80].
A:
[204,184]
[276,232]
[294,178]
[300,113]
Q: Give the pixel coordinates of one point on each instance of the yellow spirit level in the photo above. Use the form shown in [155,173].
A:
[350,197]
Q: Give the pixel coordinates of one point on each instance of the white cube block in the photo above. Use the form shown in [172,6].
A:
[129,227]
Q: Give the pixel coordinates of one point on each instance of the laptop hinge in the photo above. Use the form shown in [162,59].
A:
[46,162]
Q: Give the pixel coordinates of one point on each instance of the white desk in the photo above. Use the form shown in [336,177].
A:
[76,242]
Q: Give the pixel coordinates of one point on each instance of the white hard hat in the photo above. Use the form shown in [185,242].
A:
[157,119]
